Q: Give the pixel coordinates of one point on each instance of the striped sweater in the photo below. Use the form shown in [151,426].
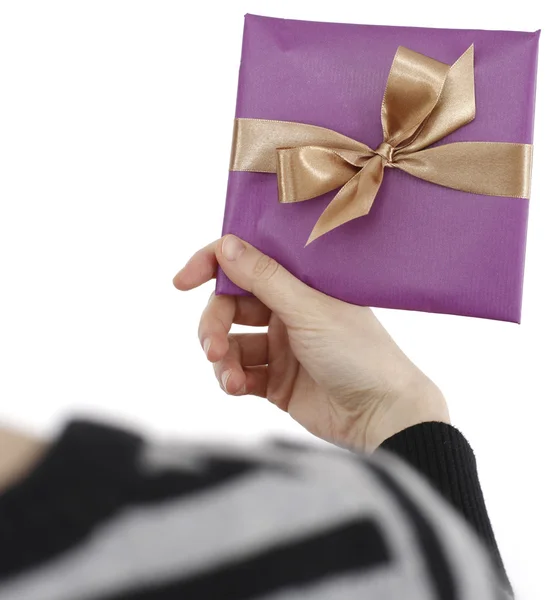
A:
[108,515]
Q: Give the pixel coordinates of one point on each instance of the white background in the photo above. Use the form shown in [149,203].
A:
[103,106]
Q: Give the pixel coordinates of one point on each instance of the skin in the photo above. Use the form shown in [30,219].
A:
[331,365]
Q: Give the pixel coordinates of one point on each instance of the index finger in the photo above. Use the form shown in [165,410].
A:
[199,269]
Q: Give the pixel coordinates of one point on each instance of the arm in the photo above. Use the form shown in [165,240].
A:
[334,368]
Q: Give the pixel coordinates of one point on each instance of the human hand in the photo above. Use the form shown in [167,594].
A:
[331,365]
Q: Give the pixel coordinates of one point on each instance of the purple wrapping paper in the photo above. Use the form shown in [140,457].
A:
[422,246]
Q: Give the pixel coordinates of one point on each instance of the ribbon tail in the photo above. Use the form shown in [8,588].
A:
[486,168]
[354,199]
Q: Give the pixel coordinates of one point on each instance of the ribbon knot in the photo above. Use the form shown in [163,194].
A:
[424,101]
[386,151]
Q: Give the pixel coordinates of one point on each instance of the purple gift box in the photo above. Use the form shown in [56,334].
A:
[422,246]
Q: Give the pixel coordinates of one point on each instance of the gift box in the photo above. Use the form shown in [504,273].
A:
[386,166]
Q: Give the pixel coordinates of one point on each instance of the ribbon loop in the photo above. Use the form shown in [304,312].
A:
[413,89]
[425,100]
[310,171]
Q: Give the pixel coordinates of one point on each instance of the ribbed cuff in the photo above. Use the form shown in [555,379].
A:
[444,457]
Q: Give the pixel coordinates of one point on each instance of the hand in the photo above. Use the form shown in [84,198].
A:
[331,365]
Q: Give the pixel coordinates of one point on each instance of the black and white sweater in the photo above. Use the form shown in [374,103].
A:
[107,515]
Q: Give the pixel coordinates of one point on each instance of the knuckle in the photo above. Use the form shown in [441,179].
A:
[265,268]
[235,347]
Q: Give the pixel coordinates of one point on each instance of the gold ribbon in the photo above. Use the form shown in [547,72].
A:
[425,100]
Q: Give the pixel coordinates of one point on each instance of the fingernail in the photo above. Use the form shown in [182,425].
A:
[232,247]
[225,378]
[206,346]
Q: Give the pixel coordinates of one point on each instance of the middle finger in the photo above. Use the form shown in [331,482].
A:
[219,315]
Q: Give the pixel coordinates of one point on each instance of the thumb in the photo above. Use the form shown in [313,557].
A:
[261,275]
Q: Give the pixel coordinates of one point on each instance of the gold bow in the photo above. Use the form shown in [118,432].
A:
[424,101]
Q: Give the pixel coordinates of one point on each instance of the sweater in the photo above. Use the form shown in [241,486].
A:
[109,515]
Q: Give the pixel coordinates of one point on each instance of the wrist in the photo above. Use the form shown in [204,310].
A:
[420,402]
